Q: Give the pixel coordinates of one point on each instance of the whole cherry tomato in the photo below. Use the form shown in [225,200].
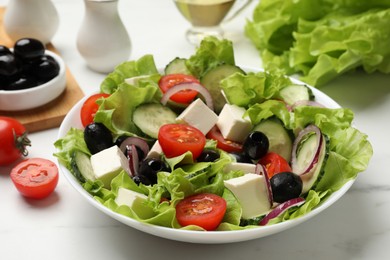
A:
[13,140]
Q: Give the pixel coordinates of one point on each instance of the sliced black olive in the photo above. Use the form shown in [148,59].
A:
[285,186]
[256,145]
[29,48]
[208,155]
[150,167]
[97,137]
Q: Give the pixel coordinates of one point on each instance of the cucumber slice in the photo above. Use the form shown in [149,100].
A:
[82,168]
[150,117]
[177,66]
[293,93]
[279,137]
[306,150]
[211,80]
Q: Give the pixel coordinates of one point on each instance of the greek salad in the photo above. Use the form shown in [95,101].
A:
[205,145]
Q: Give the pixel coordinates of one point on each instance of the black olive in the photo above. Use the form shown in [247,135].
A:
[208,155]
[285,186]
[241,157]
[97,137]
[9,65]
[138,179]
[150,167]
[29,48]
[44,68]
[4,50]
[256,145]
[22,82]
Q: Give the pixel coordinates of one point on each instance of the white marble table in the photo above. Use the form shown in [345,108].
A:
[65,226]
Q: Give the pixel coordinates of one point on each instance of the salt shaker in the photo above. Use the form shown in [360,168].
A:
[31,18]
[102,39]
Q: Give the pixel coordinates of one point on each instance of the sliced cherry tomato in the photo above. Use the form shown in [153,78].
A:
[176,139]
[13,140]
[35,177]
[185,96]
[89,108]
[222,143]
[274,163]
[205,210]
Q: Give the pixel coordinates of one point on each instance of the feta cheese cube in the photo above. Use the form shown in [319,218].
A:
[251,191]
[232,124]
[109,163]
[155,152]
[135,201]
[245,167]
[199,115]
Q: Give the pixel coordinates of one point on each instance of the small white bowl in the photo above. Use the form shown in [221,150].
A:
[24,99]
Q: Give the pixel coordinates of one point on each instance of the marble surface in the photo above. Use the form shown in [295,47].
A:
[65,226]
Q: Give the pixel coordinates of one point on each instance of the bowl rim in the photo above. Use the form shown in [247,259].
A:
[61,73]
[191,236]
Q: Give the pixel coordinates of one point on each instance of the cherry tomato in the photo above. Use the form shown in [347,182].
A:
[222,143]
[274,163]
[13,140]
[176,139]
[185,96]
[205,210]
[89,108]
[35,177]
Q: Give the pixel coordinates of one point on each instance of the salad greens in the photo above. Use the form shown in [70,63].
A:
[322,39]
[349,154]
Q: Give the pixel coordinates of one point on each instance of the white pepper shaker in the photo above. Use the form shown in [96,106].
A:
[102,39]
[31,19]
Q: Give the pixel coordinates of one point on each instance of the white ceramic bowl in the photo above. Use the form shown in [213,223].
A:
[25,99]
[72,119]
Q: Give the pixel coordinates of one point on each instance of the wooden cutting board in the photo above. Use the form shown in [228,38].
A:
[49,115]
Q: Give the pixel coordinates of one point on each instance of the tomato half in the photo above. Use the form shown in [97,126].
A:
[13,140]
[176,139]
[185,96]
[35,177]
[222,143]
[205,210]
[274,163]
[89,108]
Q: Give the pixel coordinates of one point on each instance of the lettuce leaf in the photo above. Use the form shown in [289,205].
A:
[128,69]
[211,53]
[322,39]
[116,111]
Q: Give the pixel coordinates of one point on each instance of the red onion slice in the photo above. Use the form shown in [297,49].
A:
[189,86]
[281,208]
[133,158]
[314,159]
[261,170]
[138,142]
